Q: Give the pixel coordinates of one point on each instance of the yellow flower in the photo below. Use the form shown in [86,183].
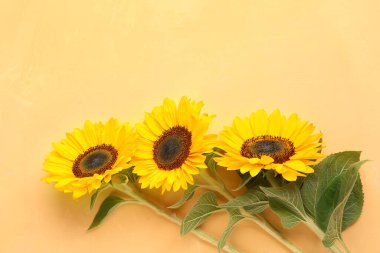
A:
[172,141]
[86,158]
[286,145]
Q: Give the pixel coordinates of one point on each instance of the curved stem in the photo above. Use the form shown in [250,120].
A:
[345,246]
[265,225]
[312,226]
[271,180]
[172,217]
[216,185]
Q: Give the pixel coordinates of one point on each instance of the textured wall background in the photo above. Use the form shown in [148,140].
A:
[62,62]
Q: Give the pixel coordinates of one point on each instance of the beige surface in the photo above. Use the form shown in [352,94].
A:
[62,62]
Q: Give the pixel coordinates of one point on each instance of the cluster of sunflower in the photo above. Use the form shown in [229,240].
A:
[172,150]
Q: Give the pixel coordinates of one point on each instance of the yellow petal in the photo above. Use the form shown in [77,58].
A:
[159,115]
[303,135]
[183,112]
[171,177]
[64,182]
[109,131]
[170,112]
[176,185]
[235,165]
[289,175]
[144,154]
[264,159]
[280,168]
[78,135]
[65,151]
[295,165]
[254,160]
[197,159]
[73,143]
[243,128]
[259,122]
[79,193]
[253,172]
[145,133]
[274,124]
[233,143]
[153,125]
[245,168]
[270,166]
[310,141]
[90,133]
[290,127]
[190,169]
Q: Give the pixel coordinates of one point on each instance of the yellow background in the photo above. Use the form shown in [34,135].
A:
[62,62]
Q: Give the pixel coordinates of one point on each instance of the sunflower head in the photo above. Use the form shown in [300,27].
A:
[272,142]
[88,157]
[172,141]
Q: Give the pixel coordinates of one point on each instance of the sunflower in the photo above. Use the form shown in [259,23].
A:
[172,141]
[84,160]
[288,146]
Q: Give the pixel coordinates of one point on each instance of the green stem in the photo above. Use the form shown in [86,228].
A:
[271,180]
[311,225]
[345,245]
[265,225]
[172,217]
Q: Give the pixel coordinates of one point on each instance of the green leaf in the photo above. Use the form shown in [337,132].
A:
[286,202]
[325,179]
[333,195]
[354,205]
[94,196]
[235,217]
[322,191]
[253,201]
[188,194]
[334,226]
[108,204]
[205,206]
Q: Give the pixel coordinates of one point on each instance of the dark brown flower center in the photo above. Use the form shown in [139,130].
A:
[172,148]
[96,159]
[280,149]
